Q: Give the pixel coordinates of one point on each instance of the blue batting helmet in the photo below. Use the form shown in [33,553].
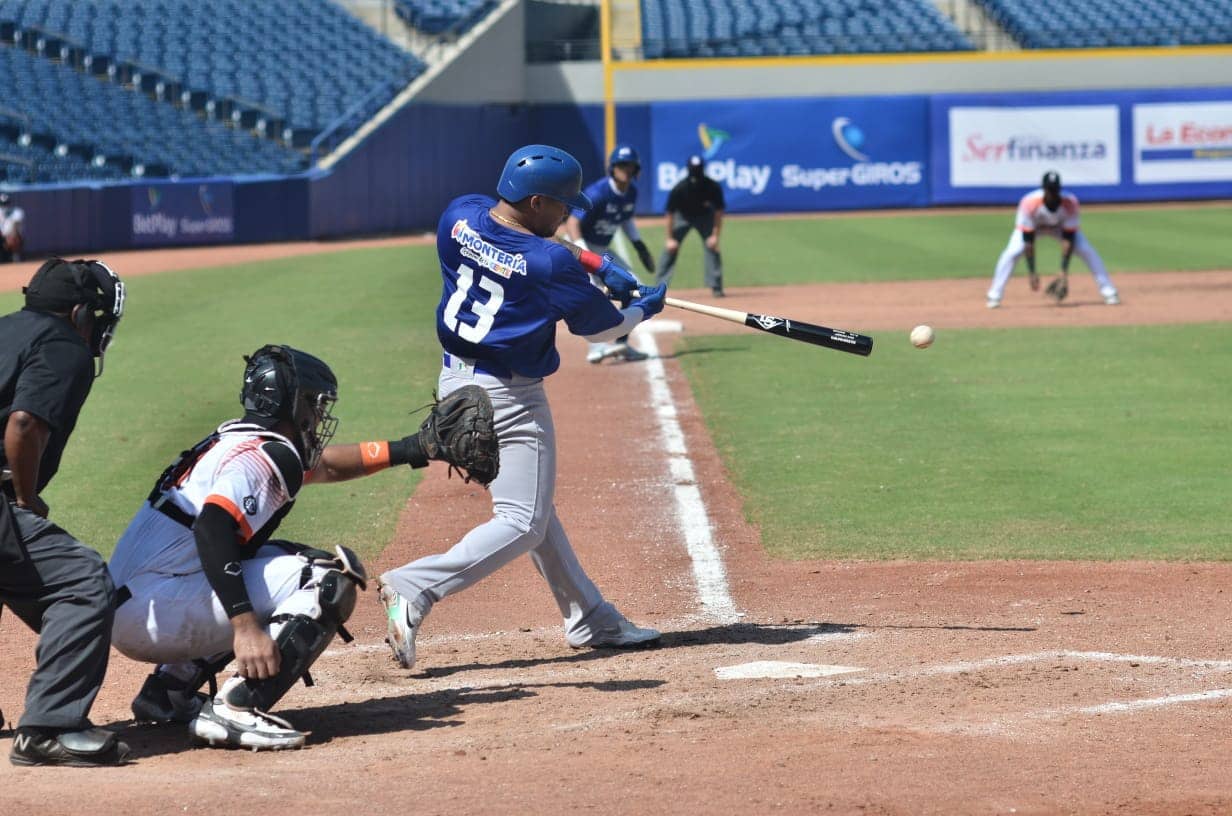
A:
[624,154]
[546,171]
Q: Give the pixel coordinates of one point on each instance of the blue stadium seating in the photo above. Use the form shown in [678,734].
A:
[307,61]
[441,16]
[756,28]
[26,162]
[1113,23]
[88,117]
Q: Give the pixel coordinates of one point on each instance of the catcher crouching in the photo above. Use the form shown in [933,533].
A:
[203,583]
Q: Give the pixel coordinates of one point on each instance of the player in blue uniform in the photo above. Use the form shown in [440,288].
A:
[613,200]
[506,284]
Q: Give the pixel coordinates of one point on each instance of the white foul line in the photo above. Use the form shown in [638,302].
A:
[708,570]
[1156,702]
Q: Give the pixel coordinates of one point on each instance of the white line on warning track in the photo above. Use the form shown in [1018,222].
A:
[708,570]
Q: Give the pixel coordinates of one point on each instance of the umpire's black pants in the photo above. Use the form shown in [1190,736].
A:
[63,591]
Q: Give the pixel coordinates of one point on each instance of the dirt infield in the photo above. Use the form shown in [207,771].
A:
[990,687]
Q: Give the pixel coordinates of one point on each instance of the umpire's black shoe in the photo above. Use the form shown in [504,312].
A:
[91,748]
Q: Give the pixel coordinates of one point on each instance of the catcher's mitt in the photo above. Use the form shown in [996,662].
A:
[1058,289]
[460,430]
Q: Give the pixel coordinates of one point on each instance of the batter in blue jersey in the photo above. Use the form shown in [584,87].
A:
[506,284]
[613,201]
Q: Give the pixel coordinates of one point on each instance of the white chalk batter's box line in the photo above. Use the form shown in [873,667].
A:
[1012,722]
[1034,657]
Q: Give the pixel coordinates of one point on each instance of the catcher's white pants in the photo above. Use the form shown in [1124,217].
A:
[523,516]
[176,619]
[1017,247]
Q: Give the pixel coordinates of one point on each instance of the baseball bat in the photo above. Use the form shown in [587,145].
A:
[836,339]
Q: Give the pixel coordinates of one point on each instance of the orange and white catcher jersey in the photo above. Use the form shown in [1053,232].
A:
[237,468]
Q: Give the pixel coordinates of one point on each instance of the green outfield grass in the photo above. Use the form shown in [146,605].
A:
[1100,443]
[176,368]
[768,252]
[1095,442]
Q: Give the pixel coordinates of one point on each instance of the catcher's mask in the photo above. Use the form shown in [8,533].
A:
[61,286]
[285,384]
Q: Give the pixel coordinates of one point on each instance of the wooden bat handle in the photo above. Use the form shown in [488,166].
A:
[701,308]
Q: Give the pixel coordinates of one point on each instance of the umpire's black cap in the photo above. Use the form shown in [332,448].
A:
[1052,181]
[58,286]
[697,166]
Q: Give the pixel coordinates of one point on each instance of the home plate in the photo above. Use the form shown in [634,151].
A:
[779,668]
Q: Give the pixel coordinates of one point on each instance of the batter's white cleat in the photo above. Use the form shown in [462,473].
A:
[601,352]
[221,726]
[159,702]
[402,623]
[993,303]
[1110,296]
[623,635]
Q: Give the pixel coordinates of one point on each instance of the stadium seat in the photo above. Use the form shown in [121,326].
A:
[228,57]
[675,28]
[1112,23]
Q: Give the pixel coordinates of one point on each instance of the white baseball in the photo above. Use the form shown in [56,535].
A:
[922,336]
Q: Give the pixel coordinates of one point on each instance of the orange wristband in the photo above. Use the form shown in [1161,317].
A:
[375,456]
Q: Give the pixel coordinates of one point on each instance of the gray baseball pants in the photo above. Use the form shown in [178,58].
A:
[64,592]
[704,224]
[523,516]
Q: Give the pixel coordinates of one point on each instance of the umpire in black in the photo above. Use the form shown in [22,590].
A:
[696,202]
[59,587]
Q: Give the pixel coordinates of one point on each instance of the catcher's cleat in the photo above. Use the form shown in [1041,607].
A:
[220,726]
[92,748]
[402,623]
[622,635]
[159,702]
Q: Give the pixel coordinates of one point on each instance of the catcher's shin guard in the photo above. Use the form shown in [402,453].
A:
[301,641]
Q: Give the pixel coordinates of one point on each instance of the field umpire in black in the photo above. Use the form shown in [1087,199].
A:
[59,587]
[696,202]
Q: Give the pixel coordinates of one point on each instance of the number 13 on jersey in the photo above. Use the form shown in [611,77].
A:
[484,310]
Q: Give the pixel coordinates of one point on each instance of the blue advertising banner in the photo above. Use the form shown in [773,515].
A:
[182,213]
[778,155]
[1107,145]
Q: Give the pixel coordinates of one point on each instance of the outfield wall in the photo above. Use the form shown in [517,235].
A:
[823,150]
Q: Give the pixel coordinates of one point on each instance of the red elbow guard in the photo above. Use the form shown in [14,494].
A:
[590,260]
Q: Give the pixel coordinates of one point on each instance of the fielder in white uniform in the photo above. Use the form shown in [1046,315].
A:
[201,581]
[1048,211]
[12,225]
[505,286]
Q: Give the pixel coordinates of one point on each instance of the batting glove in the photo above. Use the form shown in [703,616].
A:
[618,280]
[651,300]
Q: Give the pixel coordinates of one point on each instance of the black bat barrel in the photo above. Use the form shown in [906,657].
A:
[836,339]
